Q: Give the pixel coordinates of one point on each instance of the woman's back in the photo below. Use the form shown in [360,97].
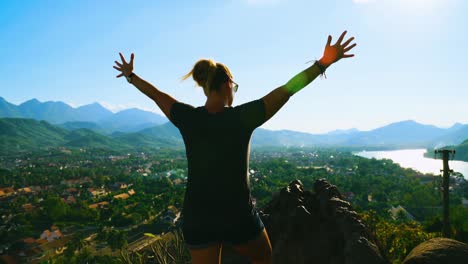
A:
[217,148]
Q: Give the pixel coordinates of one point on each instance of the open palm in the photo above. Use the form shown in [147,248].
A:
[334,53]
[125,68]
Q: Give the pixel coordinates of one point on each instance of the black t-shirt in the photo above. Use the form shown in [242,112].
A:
[218,149]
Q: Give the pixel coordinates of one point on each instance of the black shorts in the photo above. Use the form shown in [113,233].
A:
[231,231]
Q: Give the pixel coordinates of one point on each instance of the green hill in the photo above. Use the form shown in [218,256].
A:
[83,138]
[165,135]
[166,130]
[17,134]
[141,140]
[7,109]
[89,125]
[462,151]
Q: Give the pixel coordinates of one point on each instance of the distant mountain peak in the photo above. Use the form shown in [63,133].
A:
[5,102]
[456,125]
[409,121]
[405,123]
[94,105]
[32,101]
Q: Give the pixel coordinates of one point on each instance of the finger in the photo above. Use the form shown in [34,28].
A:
[348,55]
[347,42]
[117,68]
[349,48]
[131,58]
[120,65]
[341,38]
[120,75]
[122,57]
[329,40]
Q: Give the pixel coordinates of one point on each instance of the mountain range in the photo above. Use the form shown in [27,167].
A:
[34,124]
[102,119]
[19,135]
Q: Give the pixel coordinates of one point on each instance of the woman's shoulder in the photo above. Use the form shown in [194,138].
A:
[182,104]
[252,114]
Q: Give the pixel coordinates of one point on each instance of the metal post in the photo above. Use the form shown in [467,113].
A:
[445,189]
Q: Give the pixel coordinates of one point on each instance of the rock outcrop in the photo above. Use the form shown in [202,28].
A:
[317,227]
[438,251]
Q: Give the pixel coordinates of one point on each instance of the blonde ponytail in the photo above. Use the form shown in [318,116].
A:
[204,72]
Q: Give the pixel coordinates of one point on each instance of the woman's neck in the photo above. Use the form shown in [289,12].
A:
[215,103]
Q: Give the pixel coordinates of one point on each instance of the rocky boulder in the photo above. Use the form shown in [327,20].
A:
[438,251]
[317,227]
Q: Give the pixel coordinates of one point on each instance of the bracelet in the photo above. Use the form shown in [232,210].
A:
[129,77]
[322,68]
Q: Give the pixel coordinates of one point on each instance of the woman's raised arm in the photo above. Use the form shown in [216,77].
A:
[163,100]
[278,97]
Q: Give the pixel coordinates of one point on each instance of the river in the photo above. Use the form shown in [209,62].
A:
[414,158]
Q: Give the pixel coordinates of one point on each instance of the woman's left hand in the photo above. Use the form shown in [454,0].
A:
[124,67]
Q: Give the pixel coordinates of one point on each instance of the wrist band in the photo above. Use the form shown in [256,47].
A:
[129,77]
[322,68]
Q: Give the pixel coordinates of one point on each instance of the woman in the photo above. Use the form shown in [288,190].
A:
[218,207]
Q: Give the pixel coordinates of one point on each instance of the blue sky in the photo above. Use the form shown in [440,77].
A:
[410,63]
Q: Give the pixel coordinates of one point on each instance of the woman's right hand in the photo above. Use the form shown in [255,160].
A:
[124,67]
[334,53]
